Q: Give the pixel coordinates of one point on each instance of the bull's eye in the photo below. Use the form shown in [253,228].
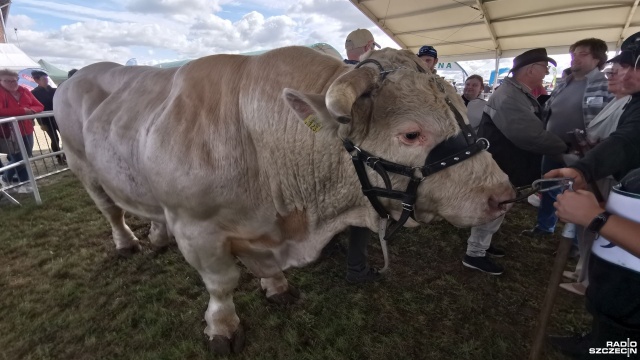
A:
[412,135]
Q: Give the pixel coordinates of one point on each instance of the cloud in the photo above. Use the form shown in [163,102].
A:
[172,7]
[186,29]
[19,22]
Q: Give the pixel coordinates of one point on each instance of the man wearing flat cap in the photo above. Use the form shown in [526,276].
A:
[358,42]
[512,122]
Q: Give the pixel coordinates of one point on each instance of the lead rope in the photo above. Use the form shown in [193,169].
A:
[382,229]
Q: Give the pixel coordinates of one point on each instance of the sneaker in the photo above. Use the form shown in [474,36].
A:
[536,232]
[25,189]
[576,288]
[3,184]
[495,252]
[483,264]
[572,346]
[571,275]
[370,276]
[534,200]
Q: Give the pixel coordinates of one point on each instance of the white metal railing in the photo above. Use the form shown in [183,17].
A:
[28,161]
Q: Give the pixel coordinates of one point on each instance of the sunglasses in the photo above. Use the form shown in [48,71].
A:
[610,73]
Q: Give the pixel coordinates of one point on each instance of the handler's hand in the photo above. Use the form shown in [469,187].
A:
[577,207]
[578,179]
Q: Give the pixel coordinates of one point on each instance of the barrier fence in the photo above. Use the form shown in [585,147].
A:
[26,159]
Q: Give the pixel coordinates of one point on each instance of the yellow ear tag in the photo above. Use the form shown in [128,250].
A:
[311,122]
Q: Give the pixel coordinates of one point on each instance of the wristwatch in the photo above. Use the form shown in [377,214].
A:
[598,222]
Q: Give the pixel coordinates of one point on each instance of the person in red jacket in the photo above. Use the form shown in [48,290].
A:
[16,100]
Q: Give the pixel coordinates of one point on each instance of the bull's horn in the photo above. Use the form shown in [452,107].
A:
[347,89]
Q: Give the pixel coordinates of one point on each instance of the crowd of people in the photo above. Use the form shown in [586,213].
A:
[16,100]
[532,135]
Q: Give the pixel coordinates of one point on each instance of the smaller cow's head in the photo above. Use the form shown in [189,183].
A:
[400,113]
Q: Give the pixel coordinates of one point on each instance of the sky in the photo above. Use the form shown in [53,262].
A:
[75,33]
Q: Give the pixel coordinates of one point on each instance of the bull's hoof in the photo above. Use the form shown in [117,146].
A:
[129,251]
[291,296]
[222,345]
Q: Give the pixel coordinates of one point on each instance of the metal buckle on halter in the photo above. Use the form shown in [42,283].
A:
[564,183]
[372,164]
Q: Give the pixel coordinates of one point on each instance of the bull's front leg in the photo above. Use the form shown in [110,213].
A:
[208,254]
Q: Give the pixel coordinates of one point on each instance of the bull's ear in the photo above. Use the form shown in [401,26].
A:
[311,109]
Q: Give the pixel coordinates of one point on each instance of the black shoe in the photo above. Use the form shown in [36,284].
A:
[536,232]
[483,264]
[370,276]
[495,252]
[573,346]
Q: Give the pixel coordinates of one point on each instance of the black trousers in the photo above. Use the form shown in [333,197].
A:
[52,131]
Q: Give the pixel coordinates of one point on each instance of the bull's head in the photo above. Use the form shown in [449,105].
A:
[400,113]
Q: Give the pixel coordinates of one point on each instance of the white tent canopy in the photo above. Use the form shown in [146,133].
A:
[12,58]
[477,29]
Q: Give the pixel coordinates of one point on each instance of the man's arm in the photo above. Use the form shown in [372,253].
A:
[516,120]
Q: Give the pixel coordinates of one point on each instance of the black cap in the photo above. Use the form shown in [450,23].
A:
[427,51]
[531,56]
[37,74]
[630,51]
[625,57]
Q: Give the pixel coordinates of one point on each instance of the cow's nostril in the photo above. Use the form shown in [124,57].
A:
[496,200]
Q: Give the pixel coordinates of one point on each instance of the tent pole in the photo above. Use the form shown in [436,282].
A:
[495,80]
[4,28]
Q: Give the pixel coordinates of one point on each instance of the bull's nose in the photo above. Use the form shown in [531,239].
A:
[496,199]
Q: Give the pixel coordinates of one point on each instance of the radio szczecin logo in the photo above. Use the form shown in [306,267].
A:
[617,347]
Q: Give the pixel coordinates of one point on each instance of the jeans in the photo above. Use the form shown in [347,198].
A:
[547,218]
[20,171]
[480,238]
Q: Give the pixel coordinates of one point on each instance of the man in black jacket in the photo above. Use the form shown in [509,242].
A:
[44,93]
[613,295]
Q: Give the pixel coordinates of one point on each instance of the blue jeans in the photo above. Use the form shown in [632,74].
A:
[547,218]
[20,171]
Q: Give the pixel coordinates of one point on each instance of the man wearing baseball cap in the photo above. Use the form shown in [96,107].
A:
[358,43]
[429,56]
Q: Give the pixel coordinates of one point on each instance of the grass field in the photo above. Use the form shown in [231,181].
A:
[64,294]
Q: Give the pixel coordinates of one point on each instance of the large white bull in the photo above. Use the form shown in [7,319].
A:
[218,153]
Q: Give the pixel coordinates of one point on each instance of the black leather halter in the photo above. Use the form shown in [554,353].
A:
[449,152]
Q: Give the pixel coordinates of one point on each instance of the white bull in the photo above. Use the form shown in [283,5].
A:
[217,153]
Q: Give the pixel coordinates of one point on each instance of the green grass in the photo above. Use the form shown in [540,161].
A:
[64,294]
